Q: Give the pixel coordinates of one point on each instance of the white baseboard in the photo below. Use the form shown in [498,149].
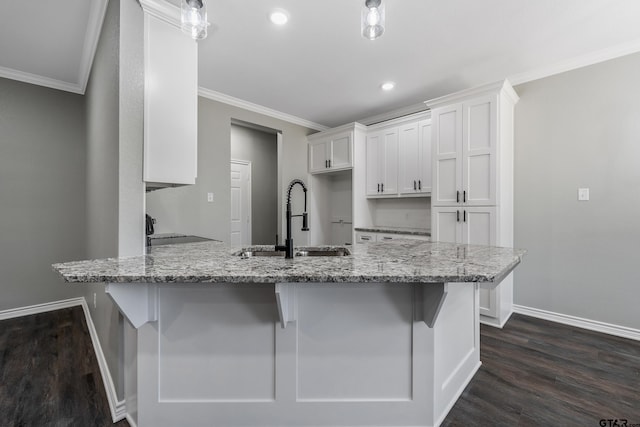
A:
[592,325]
[40,308]
[496,323]
[131,422]
[117,407]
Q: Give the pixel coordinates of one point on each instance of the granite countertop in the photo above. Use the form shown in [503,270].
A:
[402,261]
[395,230]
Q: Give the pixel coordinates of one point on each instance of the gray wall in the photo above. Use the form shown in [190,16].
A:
[186,210]
[580,129]
[261,149]
[115,191]
[42,192]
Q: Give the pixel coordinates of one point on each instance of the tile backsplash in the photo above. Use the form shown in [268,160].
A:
[405,212]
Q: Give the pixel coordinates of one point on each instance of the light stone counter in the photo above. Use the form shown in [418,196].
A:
[400,261]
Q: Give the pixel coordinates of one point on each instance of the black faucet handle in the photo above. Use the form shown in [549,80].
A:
[305,221]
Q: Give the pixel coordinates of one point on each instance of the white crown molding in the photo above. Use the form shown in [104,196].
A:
[394,114]
[91,39]
[34,79]
[163,10]
[117,407]
[502,85]
[579,322]
[577,62]
[250,106]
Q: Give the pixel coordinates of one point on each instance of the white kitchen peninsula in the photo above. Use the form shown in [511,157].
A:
[386,336]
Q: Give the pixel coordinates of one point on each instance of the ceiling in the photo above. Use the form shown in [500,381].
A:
[319,68]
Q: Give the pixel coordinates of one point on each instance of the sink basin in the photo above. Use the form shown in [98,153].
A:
[299,252]
[322,252]
[259,253]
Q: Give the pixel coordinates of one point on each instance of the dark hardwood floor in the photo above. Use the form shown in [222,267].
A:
[534,373]
[540,373]
[49,374]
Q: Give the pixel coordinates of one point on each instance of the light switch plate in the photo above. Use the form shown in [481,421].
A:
[209,197]
[583,194]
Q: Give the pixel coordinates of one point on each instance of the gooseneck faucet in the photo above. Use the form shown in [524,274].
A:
[288,243]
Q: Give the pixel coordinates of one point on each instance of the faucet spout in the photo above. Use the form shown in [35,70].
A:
[288,246]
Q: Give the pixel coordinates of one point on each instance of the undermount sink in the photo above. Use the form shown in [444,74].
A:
[299,252]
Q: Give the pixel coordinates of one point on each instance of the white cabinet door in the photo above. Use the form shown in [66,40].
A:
[389,162]
[425,155]
[341,156]
[318,156]
[446,225]
[170,104]
[374,142]
[382,163]
[447,155]
[409,161]
[479,151]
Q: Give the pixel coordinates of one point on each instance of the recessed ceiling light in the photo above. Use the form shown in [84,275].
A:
[388,86]
[279,16]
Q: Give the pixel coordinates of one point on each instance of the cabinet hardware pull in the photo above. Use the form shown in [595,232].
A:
[378,188]
[326,163]
[414,185]
[382,187]
[465,216]
[464,196]
[457,216]
[457,197]
[387,238]
[419,184]
[365,238]
[329,162]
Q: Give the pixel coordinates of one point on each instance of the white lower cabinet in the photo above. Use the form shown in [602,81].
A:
[472,226]
[368,237]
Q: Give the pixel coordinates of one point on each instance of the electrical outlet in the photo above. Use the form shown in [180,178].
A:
[583,194]
[209,197]
[94,300]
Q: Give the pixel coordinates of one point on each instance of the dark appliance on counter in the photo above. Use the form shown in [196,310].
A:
[149,228]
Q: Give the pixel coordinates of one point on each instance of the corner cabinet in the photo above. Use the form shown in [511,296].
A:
[399,157]
[330,152]
[472,194]
[170,98]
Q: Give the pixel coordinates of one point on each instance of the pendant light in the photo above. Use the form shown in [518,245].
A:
[194,18]
[372,24]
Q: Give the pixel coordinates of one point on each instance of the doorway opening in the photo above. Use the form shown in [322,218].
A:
[261,148]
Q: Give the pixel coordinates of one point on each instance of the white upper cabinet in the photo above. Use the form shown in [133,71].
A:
[170,102]
[382,163]
[447,155]
[399,157]
[332,152]
[415,158]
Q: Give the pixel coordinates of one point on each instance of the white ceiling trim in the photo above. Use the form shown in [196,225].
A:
[40,81]
[400,112]
[577,62]
[163,10]
[240,103]
[92,36]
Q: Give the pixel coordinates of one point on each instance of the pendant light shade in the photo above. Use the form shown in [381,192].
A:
[372,23]
[194,18]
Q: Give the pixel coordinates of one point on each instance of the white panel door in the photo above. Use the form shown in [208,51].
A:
[240,203]
[374,142]
[480,228]
[409,148]
[318,156]
[341,156]
[389,162]
[425,154]
[446,224]
[479,151]
[447,155]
